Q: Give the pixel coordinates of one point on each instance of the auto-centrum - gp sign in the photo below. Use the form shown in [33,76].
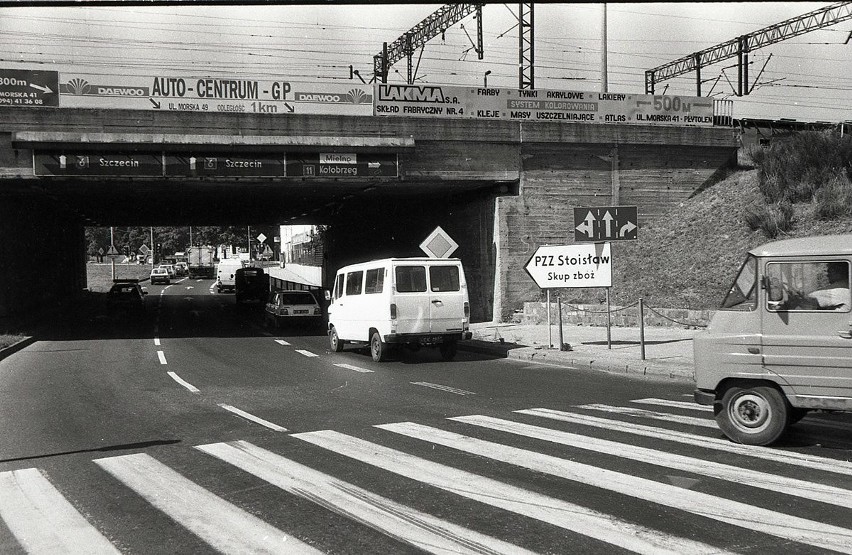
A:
[571,266]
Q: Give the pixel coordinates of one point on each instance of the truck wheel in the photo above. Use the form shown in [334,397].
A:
[335,341]
[448,350]
[753,415]
[378,348]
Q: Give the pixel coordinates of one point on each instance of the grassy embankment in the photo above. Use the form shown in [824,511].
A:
[798,187]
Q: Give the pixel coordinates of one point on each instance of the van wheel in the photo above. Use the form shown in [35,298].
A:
[334,341]
[753,415]
[378,348]
[448,350]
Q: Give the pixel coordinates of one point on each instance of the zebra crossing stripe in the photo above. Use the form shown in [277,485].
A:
[675,404]
[810,462]
[566,515]
[642,413]
[281,342]
[744,515]
[355,368]
[42,520]
[224,526]
[253,418]
[308,354]
[398,521]
[446,388]
[790,486]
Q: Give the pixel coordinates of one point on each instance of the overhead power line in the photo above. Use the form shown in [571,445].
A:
[437,23]
[742,45]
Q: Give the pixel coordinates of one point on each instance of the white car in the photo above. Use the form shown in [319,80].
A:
[160,275]
[292,307]
[170,269]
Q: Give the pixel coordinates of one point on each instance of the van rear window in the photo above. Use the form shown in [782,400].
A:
[410,279]
[444,278]
[375,281]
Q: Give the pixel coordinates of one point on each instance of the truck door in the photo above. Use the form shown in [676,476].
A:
[446,299]
[807,320]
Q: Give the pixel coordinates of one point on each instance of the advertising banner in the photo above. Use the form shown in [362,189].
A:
[451,102]
[183,93]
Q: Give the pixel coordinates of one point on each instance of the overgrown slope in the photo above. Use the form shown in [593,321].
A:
[688,257]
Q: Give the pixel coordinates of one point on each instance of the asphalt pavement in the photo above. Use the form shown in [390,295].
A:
[667,350]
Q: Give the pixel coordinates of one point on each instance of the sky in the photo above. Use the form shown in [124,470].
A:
[807,78]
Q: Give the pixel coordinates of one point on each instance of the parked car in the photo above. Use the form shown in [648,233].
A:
[126,295]
[400,301]
[292,307]
[160,275]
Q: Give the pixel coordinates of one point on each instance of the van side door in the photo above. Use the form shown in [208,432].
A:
[446,298]
[807,331]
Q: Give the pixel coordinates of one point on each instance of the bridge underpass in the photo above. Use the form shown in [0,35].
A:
[500,188]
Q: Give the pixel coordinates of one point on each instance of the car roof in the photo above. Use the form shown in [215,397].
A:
[825,245]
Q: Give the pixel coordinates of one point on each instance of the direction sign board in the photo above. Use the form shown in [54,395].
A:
[605,223]
[571,266]
[219,165]
[23,87]
[108,164]
[337,165]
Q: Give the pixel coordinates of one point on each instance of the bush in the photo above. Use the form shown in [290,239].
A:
[834,198]
[773,218]
[795,168]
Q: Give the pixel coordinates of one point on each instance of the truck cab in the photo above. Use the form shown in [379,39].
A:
[781,344]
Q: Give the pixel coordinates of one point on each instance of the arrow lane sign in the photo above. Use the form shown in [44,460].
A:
[587,226]
[607,218]
[625,229]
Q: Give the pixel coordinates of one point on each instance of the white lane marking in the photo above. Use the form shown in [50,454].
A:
[398,521]
[187,385]
[740,475]
[446,388]
[351,367]
[42,520]
[674,404]
[732,512]
[222,525]
[563,514]
[162,356]
[253,418]
[157,341]
[810,462]
[306,353]
[642,413]
[281,342]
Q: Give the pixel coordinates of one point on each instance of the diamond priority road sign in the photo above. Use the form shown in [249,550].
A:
[571,266]
[439,244]
[605,223]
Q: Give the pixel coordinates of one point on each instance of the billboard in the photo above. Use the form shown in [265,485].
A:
[452,102]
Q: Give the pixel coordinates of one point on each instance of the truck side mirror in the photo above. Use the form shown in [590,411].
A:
[327,294]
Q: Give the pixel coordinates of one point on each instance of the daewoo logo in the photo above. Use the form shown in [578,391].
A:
[77,86]
[123,91]
[318,97]
[409,93]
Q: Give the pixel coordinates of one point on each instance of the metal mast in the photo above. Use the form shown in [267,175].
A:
[741,46]
[403,47]
[526,46]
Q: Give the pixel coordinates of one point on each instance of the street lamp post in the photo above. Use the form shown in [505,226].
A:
[487,73]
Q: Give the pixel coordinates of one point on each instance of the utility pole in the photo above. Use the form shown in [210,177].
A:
[604,81]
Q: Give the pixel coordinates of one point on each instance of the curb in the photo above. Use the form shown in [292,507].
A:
[638,368]
[15,347]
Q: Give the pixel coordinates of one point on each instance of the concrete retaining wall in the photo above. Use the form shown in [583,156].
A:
[595,315]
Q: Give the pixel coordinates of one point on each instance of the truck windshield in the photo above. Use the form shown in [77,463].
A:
[742,295]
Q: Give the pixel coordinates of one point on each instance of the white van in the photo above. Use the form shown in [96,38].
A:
[781,345]
[400,301]
[226,273]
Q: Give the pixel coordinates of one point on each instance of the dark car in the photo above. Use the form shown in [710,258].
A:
[251,284]
[126,295]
